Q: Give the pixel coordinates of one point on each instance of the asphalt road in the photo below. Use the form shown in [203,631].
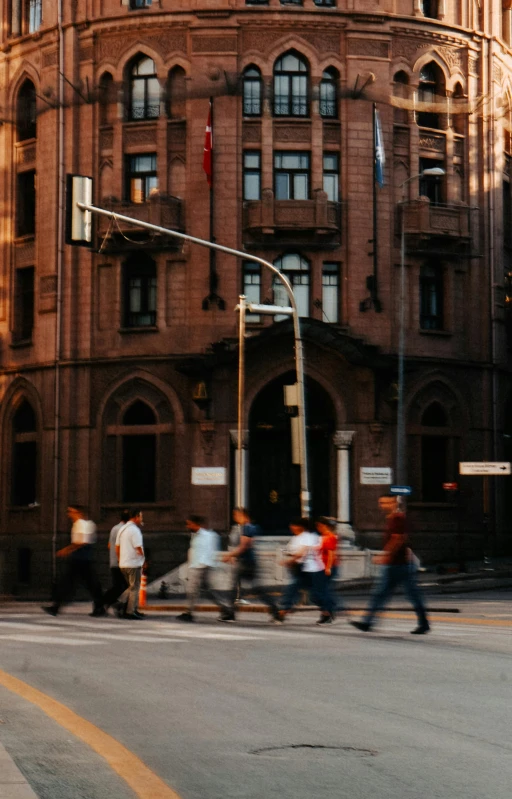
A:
[251,710]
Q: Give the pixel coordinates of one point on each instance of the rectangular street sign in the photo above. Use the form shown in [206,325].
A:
[402,491]
[208,476]
[484,467]
[376,475]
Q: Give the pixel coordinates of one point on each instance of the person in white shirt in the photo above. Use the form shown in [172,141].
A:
[307,570]
[202,560]
[118,587]
[130,554]
[79,556]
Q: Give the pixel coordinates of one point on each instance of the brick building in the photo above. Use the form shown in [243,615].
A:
[118,365]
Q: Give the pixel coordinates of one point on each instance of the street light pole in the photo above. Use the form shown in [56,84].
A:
[299,352]
[400,415]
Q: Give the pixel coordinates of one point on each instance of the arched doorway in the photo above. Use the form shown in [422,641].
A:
[274,481]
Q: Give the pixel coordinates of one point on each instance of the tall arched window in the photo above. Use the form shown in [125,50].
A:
[401,92]
[291,86]
[298,271]
[329,93]
[139,454]
[252,92]
[107,98]
[24,456]
[144,90]
[177,93]
[26,122]
[432,87]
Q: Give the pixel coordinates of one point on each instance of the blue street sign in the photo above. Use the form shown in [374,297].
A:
[402,491]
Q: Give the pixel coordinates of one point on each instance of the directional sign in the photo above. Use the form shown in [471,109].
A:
[402,491]
[376,475]
[484,468]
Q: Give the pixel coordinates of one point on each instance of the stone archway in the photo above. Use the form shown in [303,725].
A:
[274,481]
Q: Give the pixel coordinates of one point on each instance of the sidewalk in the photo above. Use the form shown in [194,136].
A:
[13,784]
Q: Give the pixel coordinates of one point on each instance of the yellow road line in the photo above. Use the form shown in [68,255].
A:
[144,782]
[447,619]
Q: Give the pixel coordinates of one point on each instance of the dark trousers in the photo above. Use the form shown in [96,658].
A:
[315,583]
[118,587]
[389,580]
[247,573]
[334,596]
[77,571]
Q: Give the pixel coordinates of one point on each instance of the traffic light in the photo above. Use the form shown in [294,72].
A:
[78,221]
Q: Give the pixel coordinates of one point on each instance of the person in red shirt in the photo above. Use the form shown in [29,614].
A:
[397,569]
[328,551]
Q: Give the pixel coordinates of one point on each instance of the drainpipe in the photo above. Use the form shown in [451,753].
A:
[60,257]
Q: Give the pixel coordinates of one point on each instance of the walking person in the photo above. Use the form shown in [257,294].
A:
[113,596]
[307,572]
[397,568]
[328,551]
[202,561]
[245,567]
[130,554]
[79,557]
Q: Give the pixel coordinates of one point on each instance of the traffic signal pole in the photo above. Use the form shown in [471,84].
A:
[87,209]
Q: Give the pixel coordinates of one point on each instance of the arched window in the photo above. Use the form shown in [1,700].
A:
[139,454]
[291,86]
[297,269]
[144,90]
[177,93]
[431,297]
[432,87]
[401,92]
[252,92]
[24,456]
[429,8]
[26,123]
[435,452]
[137,459]
[459,119]
[107,98]
[329,93]
[139,283]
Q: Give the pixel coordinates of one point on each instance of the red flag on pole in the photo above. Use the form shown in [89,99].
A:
[208,148]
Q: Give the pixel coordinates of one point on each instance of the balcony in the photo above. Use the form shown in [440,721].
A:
[437,229]
[160,209]
[314,222]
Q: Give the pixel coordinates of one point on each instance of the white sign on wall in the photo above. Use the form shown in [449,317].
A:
[376,475]
[209,476]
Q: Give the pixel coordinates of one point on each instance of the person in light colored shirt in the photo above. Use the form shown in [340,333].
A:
[130,554]
[79,559]
[202,560]
[304,561]
[118,587]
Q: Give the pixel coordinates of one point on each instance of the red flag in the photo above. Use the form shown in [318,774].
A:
[208,149]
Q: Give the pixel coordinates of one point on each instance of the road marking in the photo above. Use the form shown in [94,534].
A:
[144,782]
[46,639]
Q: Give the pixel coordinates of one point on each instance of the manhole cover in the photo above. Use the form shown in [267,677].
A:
[302,750]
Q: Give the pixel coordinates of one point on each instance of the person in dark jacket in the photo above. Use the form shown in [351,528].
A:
[398,568]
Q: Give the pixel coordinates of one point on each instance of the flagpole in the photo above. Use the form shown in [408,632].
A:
[375,284]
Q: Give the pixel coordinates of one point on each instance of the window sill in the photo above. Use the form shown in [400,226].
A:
[145,329]
[441,333]
[21,343]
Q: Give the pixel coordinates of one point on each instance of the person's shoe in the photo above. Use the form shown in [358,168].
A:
[49,609]
[139,614]
[98,612]
[133,616]
[421,629]
[120,611]
[185,617]
[226,616]
[326,619]
[361,625]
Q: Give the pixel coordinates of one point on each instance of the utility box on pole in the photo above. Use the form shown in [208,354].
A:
[78,221]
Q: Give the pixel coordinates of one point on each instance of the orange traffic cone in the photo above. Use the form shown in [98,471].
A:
[143,590]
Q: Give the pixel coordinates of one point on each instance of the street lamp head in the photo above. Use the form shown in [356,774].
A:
[435,171]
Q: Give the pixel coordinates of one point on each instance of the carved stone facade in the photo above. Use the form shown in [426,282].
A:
[145,323]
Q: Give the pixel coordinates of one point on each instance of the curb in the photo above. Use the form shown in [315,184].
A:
[13,784]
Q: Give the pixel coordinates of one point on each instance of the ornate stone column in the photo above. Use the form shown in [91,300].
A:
[343,441]
[245,465]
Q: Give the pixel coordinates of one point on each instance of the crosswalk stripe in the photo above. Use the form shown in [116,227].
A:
[46,639]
